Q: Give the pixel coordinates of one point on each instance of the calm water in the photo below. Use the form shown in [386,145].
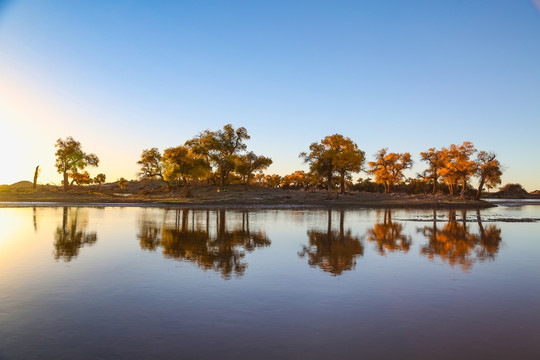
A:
[85,283]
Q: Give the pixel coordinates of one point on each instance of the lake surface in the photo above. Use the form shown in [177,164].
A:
[114,282]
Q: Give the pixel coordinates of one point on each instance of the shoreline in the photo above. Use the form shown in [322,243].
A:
[389,204]
[234,197]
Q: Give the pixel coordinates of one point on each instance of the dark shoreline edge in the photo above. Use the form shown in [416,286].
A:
[257,205]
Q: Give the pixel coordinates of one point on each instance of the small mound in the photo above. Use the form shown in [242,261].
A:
[512,191]
[22,185]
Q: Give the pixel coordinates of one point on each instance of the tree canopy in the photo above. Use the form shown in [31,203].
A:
[150,163]
[388,167]
[221,148]
[334,154]
[70,158]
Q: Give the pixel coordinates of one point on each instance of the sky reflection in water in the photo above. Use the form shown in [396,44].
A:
[100,282]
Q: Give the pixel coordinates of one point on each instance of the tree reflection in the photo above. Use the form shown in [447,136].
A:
[333,251]
[209,243]
[72,234]
[455,244]
[388,236]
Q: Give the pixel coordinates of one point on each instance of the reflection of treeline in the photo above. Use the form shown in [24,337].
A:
[215,241]
[72,234]
[333,251]
[388,235]
[454,243]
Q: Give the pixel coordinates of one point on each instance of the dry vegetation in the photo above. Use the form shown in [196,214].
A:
[148,192]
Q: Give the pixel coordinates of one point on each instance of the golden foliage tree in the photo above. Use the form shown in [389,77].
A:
[150,163]
[122,183]
[182,164]
[388,168]
[70,159]
[100,179]
[298,179]
[489,171]
[221,148]
[250,163]
[434,159]
[81,178]
[458,165]
[335,153]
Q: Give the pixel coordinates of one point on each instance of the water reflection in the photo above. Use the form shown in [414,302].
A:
[333,251]
[388,235]
[204,238]
[34,215]
[455,244]
[72,234]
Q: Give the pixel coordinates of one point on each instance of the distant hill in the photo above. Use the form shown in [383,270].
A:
[21,185]
[511,191]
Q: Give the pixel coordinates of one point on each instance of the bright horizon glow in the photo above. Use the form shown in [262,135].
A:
[121,77]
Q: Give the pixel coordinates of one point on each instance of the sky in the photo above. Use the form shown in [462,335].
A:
[123,76]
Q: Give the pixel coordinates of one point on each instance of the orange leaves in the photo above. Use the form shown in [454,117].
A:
[388,168]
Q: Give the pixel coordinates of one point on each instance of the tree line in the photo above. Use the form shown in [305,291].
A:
[221,158]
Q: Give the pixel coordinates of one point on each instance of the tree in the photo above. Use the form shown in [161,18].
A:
[335,153]
[221,148]
[458,165]
[181,164]
[150,162]
[249,163]
[346,157]
[298,179]
[81,178]
[320,162]
[70,158]
[36,174]
[100,179]
[272,181]
[489,170]
[388,168]
[122,183]
[435,161]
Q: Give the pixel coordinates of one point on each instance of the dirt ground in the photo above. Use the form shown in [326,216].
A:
[157,194]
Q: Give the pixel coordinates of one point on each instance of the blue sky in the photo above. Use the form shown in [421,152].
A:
[122,76]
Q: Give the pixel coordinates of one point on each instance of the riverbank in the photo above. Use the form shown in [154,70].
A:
[230,196]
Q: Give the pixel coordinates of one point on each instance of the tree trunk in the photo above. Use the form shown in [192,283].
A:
[464,186]
[342,183]
[434,185]
[329,183]
[66,181]
[35,177]
[480,187]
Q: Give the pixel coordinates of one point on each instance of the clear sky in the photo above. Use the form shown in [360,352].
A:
[123,76]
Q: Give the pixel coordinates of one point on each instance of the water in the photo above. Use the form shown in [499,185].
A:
[113,282]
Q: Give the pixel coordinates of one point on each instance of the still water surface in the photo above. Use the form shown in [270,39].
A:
[85,283]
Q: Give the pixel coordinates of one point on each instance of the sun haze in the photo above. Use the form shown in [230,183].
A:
[121,77]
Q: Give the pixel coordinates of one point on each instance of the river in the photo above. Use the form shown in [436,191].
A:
[130,282]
